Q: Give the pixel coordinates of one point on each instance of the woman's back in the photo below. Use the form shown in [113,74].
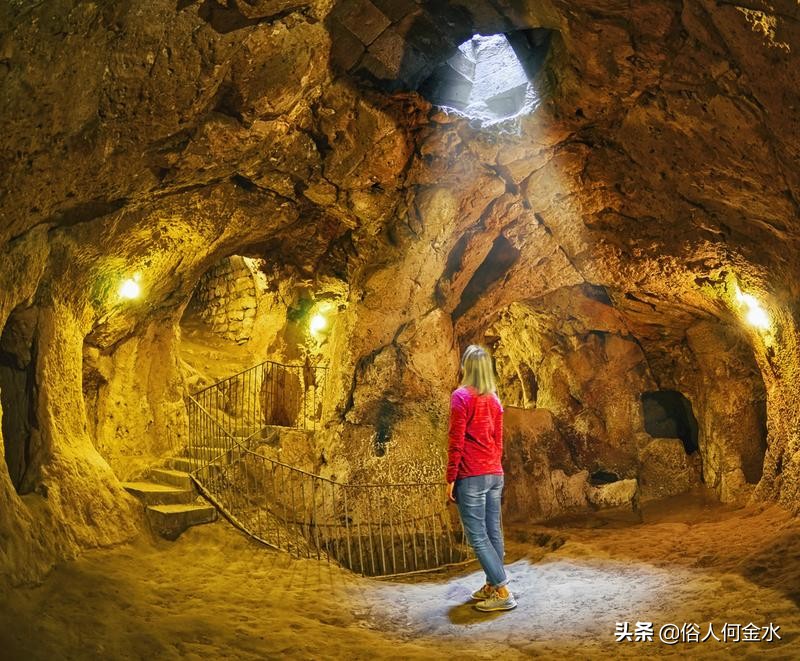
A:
[475,473]
[475,435]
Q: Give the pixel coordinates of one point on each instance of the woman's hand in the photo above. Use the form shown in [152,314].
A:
[450,494]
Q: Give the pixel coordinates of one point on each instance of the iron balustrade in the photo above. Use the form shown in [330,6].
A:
[269,393]
[371,529]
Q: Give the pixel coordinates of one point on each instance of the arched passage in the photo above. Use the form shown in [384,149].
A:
[668,414]
[17,394]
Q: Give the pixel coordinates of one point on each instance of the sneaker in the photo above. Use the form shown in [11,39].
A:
[484,593]
[497,603]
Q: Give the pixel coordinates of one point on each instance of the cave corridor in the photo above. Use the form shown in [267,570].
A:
[244,245]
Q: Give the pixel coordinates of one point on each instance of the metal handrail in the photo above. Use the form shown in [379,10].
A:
[267,393]
[221,382]
[376,529]
[211,417]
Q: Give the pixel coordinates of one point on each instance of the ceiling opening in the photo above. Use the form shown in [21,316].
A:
[491,79]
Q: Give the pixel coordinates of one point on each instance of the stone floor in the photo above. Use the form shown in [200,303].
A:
[214,594]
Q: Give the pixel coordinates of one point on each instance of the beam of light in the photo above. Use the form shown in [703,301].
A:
[754,313]
[130,289]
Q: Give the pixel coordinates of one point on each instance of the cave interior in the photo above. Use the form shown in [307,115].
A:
[276,224]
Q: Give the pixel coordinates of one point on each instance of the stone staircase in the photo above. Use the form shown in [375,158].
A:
[170,499]
[168,493]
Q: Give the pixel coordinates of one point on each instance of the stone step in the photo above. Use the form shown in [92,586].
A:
[268,433]
[197,468]
[170,521]
[207,453]
[172,477]
[185,464]
[151,493]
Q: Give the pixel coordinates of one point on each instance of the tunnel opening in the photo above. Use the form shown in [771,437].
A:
[600,477]
[234,319]
[668,414]
[260,336]
[17,395]
[229,336]
[219,332]
[386,419]
[491,78]
[753,461]
[529,384]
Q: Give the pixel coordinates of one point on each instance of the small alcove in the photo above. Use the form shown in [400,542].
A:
[668,414]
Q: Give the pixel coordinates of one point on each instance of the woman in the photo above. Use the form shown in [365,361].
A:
[475,474]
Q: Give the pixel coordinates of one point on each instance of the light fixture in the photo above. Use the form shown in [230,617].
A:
[318,323]
[130,289]
[754,313]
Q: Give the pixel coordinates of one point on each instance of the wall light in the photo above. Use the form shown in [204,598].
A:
[754,313]
[131,289]
[318,323]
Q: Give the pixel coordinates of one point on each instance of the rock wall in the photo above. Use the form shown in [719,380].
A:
[542,478]
[134,397]
[591,373]
[68,497]
[160,138]
[227,297]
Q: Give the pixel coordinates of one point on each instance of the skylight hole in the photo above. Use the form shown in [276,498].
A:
[491,79]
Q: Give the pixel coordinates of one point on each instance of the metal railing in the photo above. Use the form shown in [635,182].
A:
[372,529]
[269,393]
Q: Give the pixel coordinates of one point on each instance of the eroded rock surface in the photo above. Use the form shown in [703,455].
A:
[598,244]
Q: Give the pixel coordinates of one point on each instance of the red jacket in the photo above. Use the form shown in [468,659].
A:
[475,444]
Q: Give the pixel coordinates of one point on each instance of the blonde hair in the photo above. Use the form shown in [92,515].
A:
[477,370]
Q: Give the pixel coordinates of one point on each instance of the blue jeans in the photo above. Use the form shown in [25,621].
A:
[478,500]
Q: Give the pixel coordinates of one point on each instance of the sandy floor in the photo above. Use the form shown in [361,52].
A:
[214,595]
